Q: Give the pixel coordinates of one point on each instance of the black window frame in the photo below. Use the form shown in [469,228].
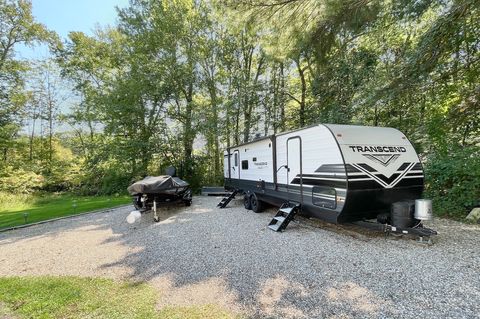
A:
[244,164]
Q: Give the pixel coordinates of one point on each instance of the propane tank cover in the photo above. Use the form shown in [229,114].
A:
[423,209]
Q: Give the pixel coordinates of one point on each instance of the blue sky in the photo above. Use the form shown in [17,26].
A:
[63,16]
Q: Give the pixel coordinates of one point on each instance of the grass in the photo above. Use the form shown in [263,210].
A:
[47,206]
[73,297]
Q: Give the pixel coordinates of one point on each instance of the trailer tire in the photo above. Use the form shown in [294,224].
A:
[137,203]
[257,205]
[247,202]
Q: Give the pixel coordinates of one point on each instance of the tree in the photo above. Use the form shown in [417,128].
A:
[17,26]
[47,91]
[168,35]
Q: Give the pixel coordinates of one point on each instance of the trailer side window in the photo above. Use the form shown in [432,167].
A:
[324,197]
[235,161]
[245,164]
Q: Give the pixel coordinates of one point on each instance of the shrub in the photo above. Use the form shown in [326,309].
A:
[453,181]
[20,181]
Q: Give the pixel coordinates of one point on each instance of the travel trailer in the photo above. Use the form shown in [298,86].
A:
[337,173]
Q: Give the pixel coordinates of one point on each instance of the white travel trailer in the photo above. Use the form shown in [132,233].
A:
[338,173]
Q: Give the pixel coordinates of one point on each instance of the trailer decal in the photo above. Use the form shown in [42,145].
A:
[342,183]
[386,149]
[382,179]
[335,168]
[382,159]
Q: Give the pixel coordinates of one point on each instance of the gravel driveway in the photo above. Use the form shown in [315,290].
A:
[201,254]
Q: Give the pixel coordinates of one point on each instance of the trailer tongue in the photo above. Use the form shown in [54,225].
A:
[338,173]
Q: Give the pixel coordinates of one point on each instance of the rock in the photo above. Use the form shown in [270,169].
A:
[474,215]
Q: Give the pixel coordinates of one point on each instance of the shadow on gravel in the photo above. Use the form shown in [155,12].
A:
[54,229]
[201,255]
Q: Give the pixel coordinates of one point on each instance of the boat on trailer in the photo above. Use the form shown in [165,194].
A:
[337,173]
[154,191]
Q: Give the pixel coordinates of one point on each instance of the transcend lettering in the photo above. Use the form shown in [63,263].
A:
[378,149]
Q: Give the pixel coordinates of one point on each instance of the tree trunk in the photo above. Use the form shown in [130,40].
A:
[32,136]
[301,73]
[237,123]
[188,134]
[50,132]
[282,125]
[275,101]
[250,100]
[247,118]
[215,135]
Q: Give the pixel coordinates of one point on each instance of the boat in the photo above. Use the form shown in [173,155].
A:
[154,191]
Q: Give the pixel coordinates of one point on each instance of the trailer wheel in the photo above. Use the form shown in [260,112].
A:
[257,205]
[188,203]
[246,202]
[137,202]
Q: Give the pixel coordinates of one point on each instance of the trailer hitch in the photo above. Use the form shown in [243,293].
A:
[418,230]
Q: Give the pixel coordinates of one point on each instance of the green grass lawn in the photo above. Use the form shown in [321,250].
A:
[73,297]
[38,208]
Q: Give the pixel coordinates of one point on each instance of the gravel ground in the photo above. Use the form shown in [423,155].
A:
[201,254]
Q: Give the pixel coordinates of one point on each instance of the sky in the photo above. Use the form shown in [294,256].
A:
[63,16]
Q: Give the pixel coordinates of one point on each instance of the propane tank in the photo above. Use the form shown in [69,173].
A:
[401,214]
[423,209]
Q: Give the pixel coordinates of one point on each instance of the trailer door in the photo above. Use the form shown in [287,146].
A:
[226,173]
[234,165]
[294,169]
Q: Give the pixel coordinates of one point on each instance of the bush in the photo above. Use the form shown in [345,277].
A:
[20,181]
[453,181]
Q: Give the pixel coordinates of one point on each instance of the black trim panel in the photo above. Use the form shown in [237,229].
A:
[335,168]
[320,182]
[372,184]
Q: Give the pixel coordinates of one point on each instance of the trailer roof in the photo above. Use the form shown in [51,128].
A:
[295,130]
[272,135]
[253,141]
[298,129]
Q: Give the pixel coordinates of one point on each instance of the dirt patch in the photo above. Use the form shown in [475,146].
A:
[5,313]
[213,291]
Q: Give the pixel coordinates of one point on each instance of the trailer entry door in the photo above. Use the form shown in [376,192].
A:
[235,167]
[294,169]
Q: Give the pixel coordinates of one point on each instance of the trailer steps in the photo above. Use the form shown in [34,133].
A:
[284,216]
[227,199]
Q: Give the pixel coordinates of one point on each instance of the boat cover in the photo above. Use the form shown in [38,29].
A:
[157,184]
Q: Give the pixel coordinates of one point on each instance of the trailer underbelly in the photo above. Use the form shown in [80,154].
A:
[359,204]
[277,197]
